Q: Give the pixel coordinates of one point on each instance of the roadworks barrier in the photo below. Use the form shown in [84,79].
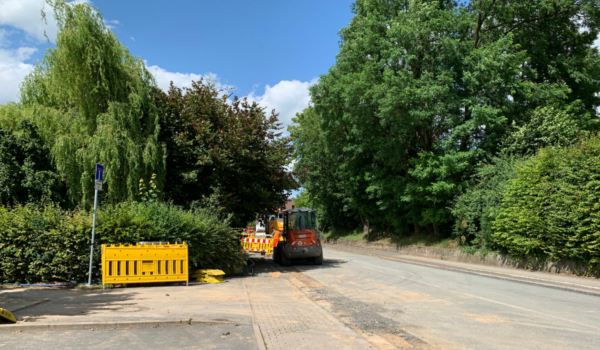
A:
[145,262]
[209,276]
[259,245]
[7,316]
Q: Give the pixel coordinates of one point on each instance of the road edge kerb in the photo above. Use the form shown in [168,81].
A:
[435,264]
[20,327]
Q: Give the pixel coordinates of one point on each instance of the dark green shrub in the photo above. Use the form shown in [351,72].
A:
[551,210]
[46,243]
[475,209]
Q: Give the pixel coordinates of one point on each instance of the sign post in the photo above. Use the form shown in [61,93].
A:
[97,187]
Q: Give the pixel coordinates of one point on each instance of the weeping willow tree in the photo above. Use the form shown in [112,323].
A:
[94,102]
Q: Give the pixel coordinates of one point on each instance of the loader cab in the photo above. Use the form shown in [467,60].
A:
[301,237]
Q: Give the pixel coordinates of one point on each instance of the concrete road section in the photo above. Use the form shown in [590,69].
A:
[433,307]
[130,338]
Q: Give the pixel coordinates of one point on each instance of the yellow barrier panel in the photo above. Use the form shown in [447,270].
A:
[210,276]
[258,245]
[144,263]
[7,316]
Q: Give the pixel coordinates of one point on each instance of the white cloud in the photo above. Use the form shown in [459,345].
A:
[132,38]
[26,16]
[12,72]
[286,97]
[111,24]
[164,78]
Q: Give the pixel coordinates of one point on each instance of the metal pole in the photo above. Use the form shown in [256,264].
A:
[93,229]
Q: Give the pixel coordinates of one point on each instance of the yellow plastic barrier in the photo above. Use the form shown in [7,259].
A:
[7,316]
[210,276]
[144,263]
[262,245]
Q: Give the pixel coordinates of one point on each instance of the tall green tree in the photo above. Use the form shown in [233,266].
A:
[423,90]
[93,102]
[232,152]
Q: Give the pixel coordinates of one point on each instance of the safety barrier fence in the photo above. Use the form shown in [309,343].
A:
[144,263]
[258,245]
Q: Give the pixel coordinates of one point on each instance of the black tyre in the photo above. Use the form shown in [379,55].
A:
[284,260]
[277,254]
[319,259]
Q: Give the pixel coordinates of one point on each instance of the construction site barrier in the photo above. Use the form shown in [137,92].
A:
[6,315]
[144,263]
[257,245]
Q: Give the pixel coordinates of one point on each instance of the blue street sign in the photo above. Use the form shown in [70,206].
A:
[99,172]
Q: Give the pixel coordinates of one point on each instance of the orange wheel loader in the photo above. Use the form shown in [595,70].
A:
[299,239]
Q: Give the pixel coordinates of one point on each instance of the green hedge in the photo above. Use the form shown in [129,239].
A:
[46,243]
[551,210]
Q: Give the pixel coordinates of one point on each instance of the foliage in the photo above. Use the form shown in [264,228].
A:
[547,127]
[232,151]
[46,243]
[26,170]
[558,37]
[323,188]
[475,210]
[93,102]
[550,210]
[423,91]
[149,194]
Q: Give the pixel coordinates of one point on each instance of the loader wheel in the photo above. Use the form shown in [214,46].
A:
[284,260]
[319,259]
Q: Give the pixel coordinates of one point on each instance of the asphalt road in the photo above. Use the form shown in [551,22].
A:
[453,310]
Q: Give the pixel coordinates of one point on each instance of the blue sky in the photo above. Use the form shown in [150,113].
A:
[269,51]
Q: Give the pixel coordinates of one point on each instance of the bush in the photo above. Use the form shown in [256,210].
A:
[475,210]
[551,210]
[46,243]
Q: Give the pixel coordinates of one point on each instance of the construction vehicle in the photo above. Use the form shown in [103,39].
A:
[292,234]
[275,223]
[299,239]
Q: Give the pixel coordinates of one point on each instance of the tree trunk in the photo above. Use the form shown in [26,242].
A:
[417,228]
[366,228]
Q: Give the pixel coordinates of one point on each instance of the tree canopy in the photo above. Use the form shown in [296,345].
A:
[231,151]
[424,90]
[93,102]
[27,174]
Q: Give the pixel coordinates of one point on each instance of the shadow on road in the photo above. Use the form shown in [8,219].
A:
[258,265]
[32,304]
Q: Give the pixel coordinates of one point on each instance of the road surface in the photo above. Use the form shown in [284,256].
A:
[449,309]
[358,299]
